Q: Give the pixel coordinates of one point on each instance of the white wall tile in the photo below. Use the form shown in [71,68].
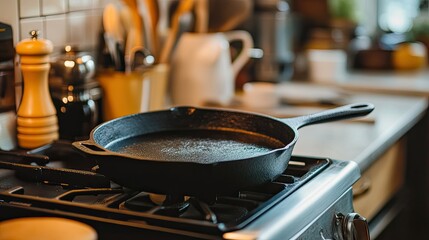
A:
[29,8]
[79,30]
[97,4]
[55,27]
[9,15]
[95,21]
[54,7]
[55,19]
[84,28]
[77,5]
[102,3]
[29,24]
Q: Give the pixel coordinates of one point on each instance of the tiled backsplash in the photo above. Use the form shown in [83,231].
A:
[64,22]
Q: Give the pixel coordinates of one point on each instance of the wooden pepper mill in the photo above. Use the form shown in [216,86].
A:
[37,122]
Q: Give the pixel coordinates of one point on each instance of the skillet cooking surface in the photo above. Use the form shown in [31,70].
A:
[198,146]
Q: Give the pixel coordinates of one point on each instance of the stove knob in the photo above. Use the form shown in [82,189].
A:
[351,227]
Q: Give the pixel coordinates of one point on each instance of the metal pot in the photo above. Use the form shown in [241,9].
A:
[74,67]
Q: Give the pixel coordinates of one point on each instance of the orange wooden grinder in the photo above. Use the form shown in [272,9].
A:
[37,122]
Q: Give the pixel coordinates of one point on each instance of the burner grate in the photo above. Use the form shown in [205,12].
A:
[89,197]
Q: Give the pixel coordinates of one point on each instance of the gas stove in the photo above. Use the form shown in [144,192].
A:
[312,199]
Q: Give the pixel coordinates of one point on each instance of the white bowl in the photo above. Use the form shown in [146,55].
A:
[327,66]
[260,95]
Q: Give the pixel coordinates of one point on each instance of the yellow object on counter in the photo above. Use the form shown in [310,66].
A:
[37,122]
[135,92]
[409,56]
[45,228]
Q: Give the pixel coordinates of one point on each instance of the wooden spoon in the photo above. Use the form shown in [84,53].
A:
[114,33]
[223,18]
[185,6]
[148,13]
[202,16]
[135,33]
[152,9]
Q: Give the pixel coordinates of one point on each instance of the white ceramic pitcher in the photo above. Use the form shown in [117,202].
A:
[201,67]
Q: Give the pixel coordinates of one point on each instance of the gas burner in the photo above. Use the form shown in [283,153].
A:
[171,206]
[216,212]
[186,207]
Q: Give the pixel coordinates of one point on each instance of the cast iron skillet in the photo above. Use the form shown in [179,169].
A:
[198,151]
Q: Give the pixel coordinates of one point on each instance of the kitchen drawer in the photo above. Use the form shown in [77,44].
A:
[380,181]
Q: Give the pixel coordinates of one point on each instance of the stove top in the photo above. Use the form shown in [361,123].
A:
[56,180]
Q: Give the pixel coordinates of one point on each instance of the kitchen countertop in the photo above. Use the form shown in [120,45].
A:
[361,140]
[414,83]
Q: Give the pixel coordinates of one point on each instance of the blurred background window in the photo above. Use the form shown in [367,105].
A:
[397,16]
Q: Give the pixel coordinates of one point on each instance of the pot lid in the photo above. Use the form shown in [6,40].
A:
[73,66]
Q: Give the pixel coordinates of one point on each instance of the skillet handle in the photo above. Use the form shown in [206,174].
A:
[334,114]
[89,147]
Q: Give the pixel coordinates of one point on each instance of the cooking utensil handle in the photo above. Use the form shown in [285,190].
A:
[339,113]
[89,147]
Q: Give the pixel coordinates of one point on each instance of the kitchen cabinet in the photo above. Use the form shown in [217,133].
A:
[381,181]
